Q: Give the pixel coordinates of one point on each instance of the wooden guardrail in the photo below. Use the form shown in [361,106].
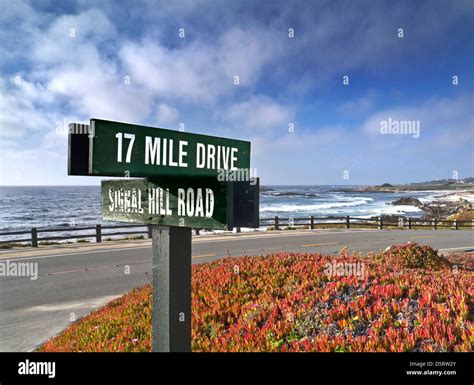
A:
[312,222]
[276,223]
[98,233]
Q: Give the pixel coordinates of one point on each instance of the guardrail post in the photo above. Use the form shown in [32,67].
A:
[435,224]
[311,222]
[98,233]
[456,226]
[380,223]
[34,237]
[348,222]
[409,223]
[276,223]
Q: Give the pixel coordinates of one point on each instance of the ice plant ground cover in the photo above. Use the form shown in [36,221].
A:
[407,299]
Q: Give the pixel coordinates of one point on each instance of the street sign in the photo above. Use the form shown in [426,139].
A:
[130,150]
[192,181]
[202,202]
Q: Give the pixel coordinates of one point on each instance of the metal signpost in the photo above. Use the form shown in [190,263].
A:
[183,189]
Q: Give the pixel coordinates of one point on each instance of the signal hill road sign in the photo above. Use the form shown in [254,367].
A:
[122,149]
[202,203]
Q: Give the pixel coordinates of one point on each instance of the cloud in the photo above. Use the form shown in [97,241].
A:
[73,66]
[259,114]
[97,90]
[437,116]
[73,39]
[166,115]
[359,105]
[129,64]
[199,71]
[21,104]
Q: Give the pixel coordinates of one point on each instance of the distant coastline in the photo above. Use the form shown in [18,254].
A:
[452,198]
[436,185]
[24,207]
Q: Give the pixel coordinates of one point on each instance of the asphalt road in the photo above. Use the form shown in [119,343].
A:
[75,280]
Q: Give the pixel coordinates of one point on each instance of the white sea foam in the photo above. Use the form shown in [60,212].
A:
[387,210]
[314,207]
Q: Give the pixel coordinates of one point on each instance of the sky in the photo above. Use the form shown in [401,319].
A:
[309,83]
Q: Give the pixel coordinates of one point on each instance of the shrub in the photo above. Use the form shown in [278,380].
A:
[286,302]
[412,255]
[123,325]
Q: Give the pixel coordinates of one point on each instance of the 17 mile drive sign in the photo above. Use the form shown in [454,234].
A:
[120,149]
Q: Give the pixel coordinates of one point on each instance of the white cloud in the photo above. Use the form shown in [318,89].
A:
[166,114]
[78,77]
[259,113]
[436,116]
[73,39]
[19,104]
[198,72]
[97,90]
[360,105]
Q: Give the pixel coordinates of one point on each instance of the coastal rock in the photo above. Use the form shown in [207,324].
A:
[438,210]
[294,194]
[407,201]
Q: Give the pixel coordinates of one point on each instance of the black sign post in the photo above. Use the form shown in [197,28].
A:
[171,267]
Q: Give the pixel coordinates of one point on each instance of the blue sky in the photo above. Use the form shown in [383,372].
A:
[63,62]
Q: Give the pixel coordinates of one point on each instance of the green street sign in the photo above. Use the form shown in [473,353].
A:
[130,150]
[202,202]
[190,183]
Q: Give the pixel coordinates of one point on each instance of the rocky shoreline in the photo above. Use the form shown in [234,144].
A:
[389,188]
[452,207]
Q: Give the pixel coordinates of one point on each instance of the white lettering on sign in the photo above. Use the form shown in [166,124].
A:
[191,202]
[159,201]
[182,153]
[216,157]
[151,150]
[120,137]
[164,152]
[209,203]
[125,201]
[200,160]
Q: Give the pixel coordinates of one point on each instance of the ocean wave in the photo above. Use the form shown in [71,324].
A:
[313,207]
[349,198]
[387,210]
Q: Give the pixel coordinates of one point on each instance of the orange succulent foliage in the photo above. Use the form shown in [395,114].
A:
[286,302]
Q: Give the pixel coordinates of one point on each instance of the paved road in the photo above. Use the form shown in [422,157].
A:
[74,280]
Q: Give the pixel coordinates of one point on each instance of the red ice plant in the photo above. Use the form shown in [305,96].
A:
[409,299]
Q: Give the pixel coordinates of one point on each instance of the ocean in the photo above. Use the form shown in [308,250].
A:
[67,206]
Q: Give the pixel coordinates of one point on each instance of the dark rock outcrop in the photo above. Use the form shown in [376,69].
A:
[407,201]
[439,210]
